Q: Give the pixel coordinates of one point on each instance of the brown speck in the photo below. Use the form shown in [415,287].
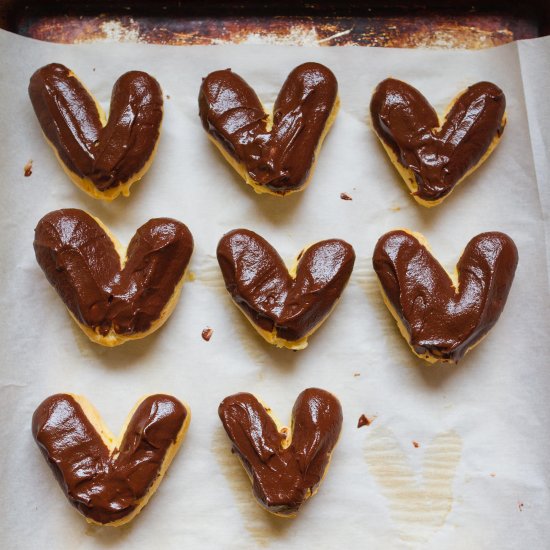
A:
[93,69]
[520,506]
[395,208]
[415,444]
[364,421]
[345,197]
[27,169]
[492,474]
[167,96]
[356,374]
[207,334]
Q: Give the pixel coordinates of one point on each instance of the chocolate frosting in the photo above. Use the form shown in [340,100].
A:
[110,155]
[439,157]
[442,321]
[259,282]
[282,478]
[280,158]
[101,484]
[82,264]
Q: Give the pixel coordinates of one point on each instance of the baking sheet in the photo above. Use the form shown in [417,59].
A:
[478,477]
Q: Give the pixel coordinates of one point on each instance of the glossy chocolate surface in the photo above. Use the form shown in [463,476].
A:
[282,478]
[68,115]
[82,264]
[279,158]
[441,320]
[439,157]
[106,485]
[259,282]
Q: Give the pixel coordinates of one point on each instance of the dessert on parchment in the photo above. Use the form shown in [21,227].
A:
[102,157]
[443,316]
[109,479]
[273,152]
[114,294]
[285,465]
[433,156]
[285,306]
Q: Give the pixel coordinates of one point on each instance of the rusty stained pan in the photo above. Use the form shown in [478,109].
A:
[470,31]
[457,24]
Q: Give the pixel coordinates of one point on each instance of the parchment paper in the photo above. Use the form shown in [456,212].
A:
[479,475]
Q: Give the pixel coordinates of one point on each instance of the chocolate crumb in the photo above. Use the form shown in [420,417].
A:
[364,421]
[415,444]
[27,169]
[345,197]
[207,334]
[520,506]
[356,374]
[167,96]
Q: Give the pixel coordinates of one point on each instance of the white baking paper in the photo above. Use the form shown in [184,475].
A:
[479,475]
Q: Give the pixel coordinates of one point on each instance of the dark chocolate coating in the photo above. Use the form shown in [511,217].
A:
[442,321]
[102,485]
[283,478]
[82,264]
[259,282]
[279,159]
[439,158]
[109,155]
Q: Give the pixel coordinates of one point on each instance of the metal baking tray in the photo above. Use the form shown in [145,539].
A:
[389,23]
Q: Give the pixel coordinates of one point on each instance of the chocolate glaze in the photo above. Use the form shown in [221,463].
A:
[439,320]
[283,478]
[439,158]
[109,155]
[82,264]
[259,282]
[279,159]
[105,485]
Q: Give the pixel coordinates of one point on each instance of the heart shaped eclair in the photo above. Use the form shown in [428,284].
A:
[285,307]
[113,294]
[285,465]
[107,479]
[443,317]
[434,157]
[273,153]
[102,158]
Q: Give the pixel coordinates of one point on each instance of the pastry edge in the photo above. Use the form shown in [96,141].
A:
[408,175]
[288,432]
[112,338]
[87,185]
[113,442]
[240,167]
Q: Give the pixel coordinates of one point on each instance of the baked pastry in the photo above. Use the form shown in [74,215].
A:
[442,316]
[113,294]
[285,306]
[285,465]
[433,157]
[109,479]
[103,158]
[274,153]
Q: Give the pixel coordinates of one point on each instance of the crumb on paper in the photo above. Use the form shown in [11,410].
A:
[356,374]
[345,197]
[395,208]
[207,334]
[167,96]
[27,169]
[191,276]
[364,420]
[93,69]
[415,444]
[520,506]
[492,474]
